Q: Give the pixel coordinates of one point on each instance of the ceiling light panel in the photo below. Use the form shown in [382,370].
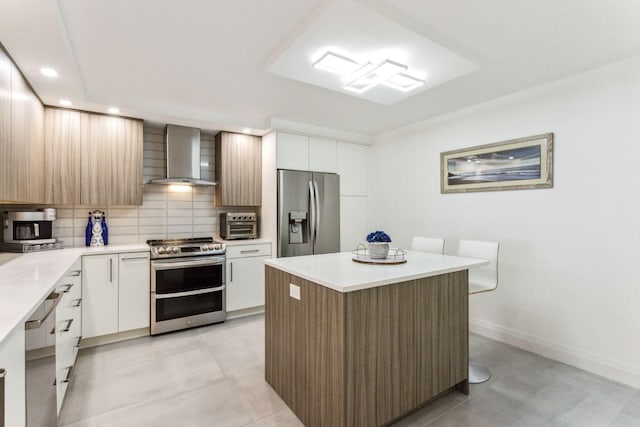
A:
[403,82]
[65,102]
[376,75]
[114,110]
[336,63]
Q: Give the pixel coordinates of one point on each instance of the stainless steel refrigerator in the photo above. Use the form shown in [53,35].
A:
[308,213]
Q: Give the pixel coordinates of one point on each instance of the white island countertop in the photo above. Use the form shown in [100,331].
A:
[26,280]
[339,272]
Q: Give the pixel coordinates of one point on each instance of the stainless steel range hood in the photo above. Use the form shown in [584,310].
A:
[183,157]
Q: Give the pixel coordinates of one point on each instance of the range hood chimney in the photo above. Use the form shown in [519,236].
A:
[183,156]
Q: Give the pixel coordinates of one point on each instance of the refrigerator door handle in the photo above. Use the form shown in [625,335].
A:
[317,196]
[312,212]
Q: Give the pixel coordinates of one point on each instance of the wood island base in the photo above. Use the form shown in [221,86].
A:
[366,357]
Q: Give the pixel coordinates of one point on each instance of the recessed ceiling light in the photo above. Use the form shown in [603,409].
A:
[114,110]
[336,63]
[49,72]
[403,82]
[246,130]
[376,75]
[65,102]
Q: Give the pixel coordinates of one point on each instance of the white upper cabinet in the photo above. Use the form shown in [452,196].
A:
[323,155]
[292,151]
[352,168]
[301,152]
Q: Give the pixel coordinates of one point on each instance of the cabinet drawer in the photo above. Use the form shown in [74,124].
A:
[241,251]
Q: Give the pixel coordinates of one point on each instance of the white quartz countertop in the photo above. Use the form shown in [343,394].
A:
[339,272]
[26,280]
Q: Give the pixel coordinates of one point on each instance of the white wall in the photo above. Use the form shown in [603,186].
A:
[569,283]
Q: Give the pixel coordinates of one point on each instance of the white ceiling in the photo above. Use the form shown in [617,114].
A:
[206,63]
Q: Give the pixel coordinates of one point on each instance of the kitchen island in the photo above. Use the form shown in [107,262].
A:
[351,344]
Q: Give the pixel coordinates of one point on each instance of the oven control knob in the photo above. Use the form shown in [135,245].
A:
[207,247]
[161,250]
[173,249]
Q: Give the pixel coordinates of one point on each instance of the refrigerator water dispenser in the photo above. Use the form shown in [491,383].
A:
[297,226]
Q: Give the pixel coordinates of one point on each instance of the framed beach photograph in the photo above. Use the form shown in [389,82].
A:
[522,163]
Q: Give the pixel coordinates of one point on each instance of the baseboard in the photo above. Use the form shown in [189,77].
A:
[245,312]
[111,338]
[613,369]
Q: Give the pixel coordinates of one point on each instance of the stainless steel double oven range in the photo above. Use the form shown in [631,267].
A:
[187,283]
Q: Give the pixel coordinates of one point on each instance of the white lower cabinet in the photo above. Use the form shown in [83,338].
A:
[12,362]
[116,293]
[100,292]
[134,291]
[68,328]
[245,275]
[63,328]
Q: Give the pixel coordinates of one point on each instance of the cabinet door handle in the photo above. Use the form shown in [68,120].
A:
[78,342]
[231,268]
[132,258]
[78,303]
[249,251]
[76,273]
[68,326]
[35,324]
[2,374]
[67,287]
[67,377]
[110,270]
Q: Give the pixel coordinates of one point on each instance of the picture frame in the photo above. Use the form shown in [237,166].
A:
[516,164]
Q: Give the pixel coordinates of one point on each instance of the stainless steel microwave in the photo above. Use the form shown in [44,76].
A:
[29,227]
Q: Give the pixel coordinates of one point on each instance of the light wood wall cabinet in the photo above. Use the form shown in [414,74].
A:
[63,138]
[21,137]
[111,162]
[92,159]
[238,169]
[7,185]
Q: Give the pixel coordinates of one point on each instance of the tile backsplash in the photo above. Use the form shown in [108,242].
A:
[167,211]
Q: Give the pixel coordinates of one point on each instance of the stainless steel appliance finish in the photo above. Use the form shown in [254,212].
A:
[308,213]
[30,247]
[183,156]
[33,227]
[239,225]
[187,283]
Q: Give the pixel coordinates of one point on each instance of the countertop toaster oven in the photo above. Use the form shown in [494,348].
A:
[238,225]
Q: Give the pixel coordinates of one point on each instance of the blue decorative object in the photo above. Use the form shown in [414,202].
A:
[378,237]
[105,230]
[88,232]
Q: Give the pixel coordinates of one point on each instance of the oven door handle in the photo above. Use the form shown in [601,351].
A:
[191,263]
[189,293]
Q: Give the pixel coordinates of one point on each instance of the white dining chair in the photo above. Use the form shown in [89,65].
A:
[428,244]
[481,279]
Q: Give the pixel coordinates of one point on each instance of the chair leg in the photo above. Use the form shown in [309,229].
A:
[478,374]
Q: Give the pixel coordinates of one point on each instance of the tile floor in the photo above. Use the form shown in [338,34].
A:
[214,376]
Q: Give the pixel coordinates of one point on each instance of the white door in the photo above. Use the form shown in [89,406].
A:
[245,283]
[99,295]
[135,290]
